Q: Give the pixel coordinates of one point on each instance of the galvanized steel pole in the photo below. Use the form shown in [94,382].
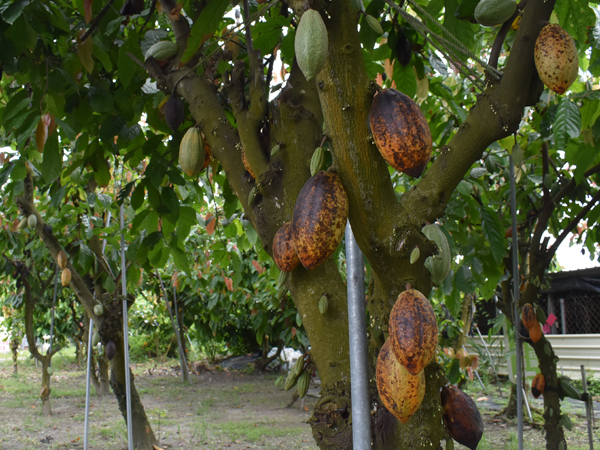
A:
[87,388]
[126,333]
[515,301]
[359,376]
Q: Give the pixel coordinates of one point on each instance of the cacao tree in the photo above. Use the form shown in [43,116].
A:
[94,116]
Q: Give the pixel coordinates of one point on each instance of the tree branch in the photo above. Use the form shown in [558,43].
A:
[96,20]
[504,29]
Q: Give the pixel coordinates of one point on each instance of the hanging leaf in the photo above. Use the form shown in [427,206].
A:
[41,133]
[211,222]
[493,232]
[87,8]
[52,162]
[84,51]
[204,27]
[567,124]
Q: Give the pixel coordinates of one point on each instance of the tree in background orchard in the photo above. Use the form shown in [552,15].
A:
[76,72]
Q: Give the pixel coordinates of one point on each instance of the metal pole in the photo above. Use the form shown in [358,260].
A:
[563,317]
[527,406]
[515,308]
[52,320]
[87,387]
[126,332]
[589,411]
[359,376]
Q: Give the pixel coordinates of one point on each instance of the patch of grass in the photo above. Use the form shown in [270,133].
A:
[253,431]
[204,405]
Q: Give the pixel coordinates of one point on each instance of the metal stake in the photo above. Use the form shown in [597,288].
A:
[87,387]
[515,299]
[589,411]
[359,377]
[126,332]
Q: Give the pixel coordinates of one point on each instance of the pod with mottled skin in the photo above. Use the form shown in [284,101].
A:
[284,252]
[320,216]
[461,417]
[556,58]
[413,330]
[528,316]
[537,385]
[401,132]
[400,392]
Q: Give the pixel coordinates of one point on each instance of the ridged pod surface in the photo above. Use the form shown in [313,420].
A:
[413,331]
[401,132]
[538,385]
[461,417]
[311,44]
[556,58]
[535,332]
[65,277]
[62,259]
[284,252]
[191,152]
[319,221]
[162,50]
[528,316]
[400,392]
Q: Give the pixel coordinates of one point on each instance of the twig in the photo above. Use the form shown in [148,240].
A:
[97,20]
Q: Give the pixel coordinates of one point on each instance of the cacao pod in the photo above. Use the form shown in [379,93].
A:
[191,152]
[174,112]
[284,252]
[247,164]
[535,332]
[401,132]
[374,24]
[491,13]
[283,276]
[413,331]
[111,349]
[62,259]
[294,373]
[95,338]
[311,44]
[320,215]
[323,304]
[98,310]
[317,160]
[537,385]
[252,195]
[65,277]
[556,58]
[461,417]
[303,383]
[400,392]
[415,255]
[528,316]
[22,224]
[50,370]
[163,50]
[32,221]
[275,149]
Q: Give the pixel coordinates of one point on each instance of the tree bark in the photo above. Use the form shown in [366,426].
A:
[14,348]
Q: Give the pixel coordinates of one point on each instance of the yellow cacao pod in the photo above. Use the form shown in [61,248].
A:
[191,152]
[556,58]
[62,259]
[65,277]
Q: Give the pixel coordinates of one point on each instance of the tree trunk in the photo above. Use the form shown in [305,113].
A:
[45,392]
[143,437]
[103,378]
[14,348]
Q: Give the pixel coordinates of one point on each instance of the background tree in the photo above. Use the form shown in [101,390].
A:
[82,115]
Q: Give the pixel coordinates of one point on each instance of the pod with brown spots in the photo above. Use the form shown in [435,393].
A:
[284,252]
[528,316]
[401,132]
[400,391]
[319,221]
[413,330]
[556,58]
[461,417]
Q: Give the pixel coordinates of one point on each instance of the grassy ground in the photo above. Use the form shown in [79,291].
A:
[220,410]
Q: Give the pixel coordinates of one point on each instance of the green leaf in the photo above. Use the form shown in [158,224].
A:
[493,232]
[180,259]
[567,124]
[22,35]
[12,13]
[126,66]
[405,79]
[52,162]
[204,27]
[462,30]
[266,35]
[137,198]
[463,280]
[575,16]
[187,219]
[589,113]
[100,53]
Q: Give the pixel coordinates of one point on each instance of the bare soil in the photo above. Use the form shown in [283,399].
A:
[220,410]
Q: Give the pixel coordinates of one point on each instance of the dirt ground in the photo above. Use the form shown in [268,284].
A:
[220,410]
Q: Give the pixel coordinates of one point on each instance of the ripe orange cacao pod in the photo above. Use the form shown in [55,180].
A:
[528,316]
[535,332]
[400,392]
[284,252]
[537,385]
[247,164]
[556,58]
[461,417]
[413,330]
[401,132]
[320,216]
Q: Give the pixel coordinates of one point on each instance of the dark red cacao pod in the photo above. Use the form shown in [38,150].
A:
[284,252]
[461,417]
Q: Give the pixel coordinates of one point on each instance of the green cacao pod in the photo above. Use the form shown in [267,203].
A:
[191,152]
[32,221]
[540,314]
[95,338]
[491,13]
[320,215]
[400,132]
[281,291]
[461,417]
[323,304]
[275,149]
[22,224]
[303,383]
[50,370]
[317,160]
[438,265]
[163,50]
[413,331]
[415,255]
[252,195]
[283,276]
[284,253]
[400,392]
[311,44]
[294,373]
[556,58]
[98,310]
[374,24]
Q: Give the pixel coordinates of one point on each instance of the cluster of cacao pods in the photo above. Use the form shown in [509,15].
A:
[65,276]
[411,345]
[318,224]
[531,322]
[299,376]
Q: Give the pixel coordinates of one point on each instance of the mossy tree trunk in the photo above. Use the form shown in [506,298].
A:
[386,229]
[14,348]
